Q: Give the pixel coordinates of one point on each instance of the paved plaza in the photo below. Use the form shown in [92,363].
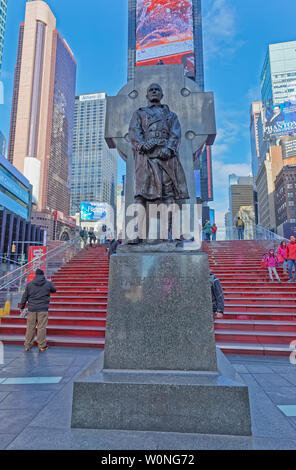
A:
[36,401]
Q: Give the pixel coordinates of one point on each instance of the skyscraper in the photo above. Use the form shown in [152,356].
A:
[256,134]
[278,76]
[41,128]
[3,11]
[241,194]
[170,31]
[94,165]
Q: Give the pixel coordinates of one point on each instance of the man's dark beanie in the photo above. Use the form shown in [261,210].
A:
[39,271]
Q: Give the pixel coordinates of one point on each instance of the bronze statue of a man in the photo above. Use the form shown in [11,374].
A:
[155,135]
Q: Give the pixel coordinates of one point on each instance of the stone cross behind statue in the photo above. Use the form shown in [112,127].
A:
[194,108]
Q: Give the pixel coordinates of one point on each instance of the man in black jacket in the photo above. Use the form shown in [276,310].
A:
[217,297]
[37,294]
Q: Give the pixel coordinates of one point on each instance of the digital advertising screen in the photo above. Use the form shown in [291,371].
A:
[164,31]
[280,120]
[93,211]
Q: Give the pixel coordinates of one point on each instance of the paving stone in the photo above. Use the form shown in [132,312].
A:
[266,381]
[259,369]
[3,395]
[283,395]
[25,400]
[5,440]
[12,422]
[290,377]
[240,368]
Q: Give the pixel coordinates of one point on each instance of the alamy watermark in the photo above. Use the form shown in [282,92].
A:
[162,221]
[293,353]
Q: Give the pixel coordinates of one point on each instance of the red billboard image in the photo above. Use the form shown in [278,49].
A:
[164,31]
[37,255]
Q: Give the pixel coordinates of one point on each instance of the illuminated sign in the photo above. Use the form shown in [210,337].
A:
[9,183]
[93,211]
[94,96]
[164,31]
[280,120]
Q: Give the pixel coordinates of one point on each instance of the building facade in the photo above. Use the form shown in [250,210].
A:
[265,187]
[278,76]
[256,135]
[285,197]
[94,165]
[15,213]
[241,193]
[3,13]
[40,141]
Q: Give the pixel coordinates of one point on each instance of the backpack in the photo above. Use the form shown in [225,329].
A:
[239,223]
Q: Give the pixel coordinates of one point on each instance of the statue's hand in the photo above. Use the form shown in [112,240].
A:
[149,145]
[166,153]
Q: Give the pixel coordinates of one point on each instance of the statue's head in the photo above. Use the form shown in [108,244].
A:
[154,93]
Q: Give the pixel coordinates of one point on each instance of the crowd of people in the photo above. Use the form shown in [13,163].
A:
[284,256]
[210,231]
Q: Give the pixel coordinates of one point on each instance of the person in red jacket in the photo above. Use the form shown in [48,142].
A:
[291,256]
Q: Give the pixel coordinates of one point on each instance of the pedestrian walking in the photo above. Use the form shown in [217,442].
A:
[217,297]
[240,226]
[207,229]
[92,237]
[84,235]
[214,232]
[272,262]
[112,247]
[37,294]
[291,257]
[282,255]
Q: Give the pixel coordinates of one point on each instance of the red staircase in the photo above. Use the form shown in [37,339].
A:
[260,316]
[77,312]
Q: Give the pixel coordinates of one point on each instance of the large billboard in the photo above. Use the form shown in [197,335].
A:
[164,31]
[93,211]
[280,120]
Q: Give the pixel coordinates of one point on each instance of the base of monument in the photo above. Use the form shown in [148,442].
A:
[164,401]
[159,246]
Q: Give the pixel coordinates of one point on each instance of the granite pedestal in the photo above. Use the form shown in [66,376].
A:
[161,370]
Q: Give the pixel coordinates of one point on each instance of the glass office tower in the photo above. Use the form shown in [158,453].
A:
[42,112]
[278,76]
[94,165]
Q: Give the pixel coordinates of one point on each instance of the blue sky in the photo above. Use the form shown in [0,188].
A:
[236,34]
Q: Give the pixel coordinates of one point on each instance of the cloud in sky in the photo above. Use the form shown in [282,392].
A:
[220,29]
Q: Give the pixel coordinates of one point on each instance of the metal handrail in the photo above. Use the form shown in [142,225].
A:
[27,268]
[10,260]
